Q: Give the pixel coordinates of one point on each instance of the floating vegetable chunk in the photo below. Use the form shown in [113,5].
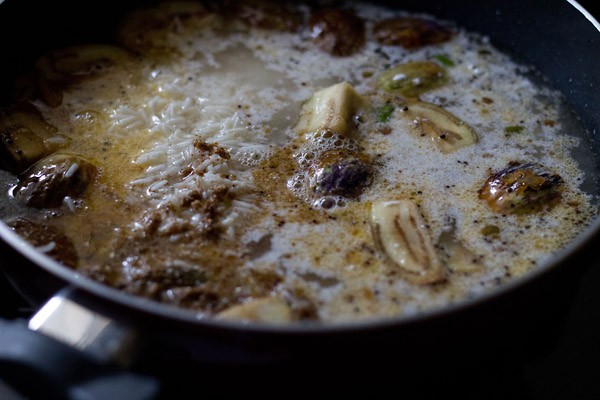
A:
[458,258]
[141,30]
[59,68]
[266,15]
[522,188]
[447,131]
[338,32]
[332,108]
[401,233]
[413,78]
[50,180]
[267,309]
[24,139]
[411,33]
[341,172]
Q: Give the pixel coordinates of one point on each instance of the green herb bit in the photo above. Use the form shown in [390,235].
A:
[514,129]
[490,230]
[385,113]
[445,60]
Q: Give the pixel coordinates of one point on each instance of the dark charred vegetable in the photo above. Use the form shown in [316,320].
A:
[338,32]
[24,139]
[333,109]
[50,180]
[142,30]
[411,33]
[340,172]
[265,15]
[413,78]
[47,239]
[522,188]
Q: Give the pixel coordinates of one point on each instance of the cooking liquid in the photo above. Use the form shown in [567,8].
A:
[242,88]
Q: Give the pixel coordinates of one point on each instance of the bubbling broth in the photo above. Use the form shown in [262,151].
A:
[285,163]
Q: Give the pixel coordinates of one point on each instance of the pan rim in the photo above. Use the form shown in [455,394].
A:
[154,308]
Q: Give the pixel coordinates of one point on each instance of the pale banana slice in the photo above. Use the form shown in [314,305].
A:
[447,131]
[332,108]
[401,233]
[265,309]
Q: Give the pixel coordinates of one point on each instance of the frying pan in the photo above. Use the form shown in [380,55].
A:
[91,341]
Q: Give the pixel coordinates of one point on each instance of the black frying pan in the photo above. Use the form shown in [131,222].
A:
[552,35]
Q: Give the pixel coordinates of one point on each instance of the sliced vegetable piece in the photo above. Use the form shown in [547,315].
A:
[24,139]
[332,108]
[59,68]
[19,148]
[340,172]
[447,131]
[50,180]
[266,309]
[266,15]
[522,188]
[411,33]
[401,233]
[459,258]
[336,31]
[413,78]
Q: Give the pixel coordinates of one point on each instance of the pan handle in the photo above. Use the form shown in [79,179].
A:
[69,352]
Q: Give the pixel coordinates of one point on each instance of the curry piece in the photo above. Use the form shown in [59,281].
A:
[410,32]
[25,137]
[49,181]
[265,15]
[338,32]
[340,172]
[143,30]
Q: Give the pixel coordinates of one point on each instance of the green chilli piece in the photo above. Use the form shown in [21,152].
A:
[385,113]
[413,78]
[514,129]
[445,60]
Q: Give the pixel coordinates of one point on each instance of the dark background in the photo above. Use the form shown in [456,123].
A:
[568,369]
